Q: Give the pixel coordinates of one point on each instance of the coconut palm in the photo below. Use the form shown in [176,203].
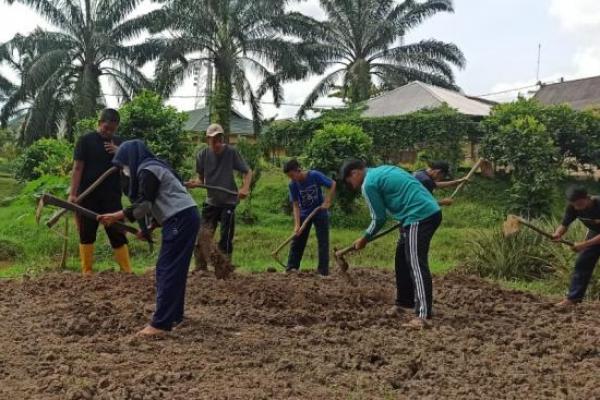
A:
[235,37]
[86,43]
[365,42]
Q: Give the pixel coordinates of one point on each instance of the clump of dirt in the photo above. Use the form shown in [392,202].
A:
[258,336]
[221,263]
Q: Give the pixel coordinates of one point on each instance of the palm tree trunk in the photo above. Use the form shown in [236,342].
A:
[222,98]
[360,82]
[87,92]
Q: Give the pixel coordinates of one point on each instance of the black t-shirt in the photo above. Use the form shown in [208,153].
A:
[90,149]
[588,217]
[425,180]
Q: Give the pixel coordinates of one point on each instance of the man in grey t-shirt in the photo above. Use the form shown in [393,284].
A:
[215,166]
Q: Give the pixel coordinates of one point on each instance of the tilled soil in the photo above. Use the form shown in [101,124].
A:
[270,335]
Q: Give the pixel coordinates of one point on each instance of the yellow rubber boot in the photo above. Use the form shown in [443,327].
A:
[86,254]
[122,257]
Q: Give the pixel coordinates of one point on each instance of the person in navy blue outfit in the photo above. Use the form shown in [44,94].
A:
[306,195]
[156,192]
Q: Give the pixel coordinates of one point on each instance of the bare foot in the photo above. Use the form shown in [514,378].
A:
[150,331]
[565,303]
[417,323]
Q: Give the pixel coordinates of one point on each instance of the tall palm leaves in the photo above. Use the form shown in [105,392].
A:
[63,78]
[237,37]
[365,42]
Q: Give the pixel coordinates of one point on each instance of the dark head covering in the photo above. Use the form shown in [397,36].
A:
[135,155]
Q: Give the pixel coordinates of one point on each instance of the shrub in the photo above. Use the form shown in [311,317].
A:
[10,250]
[440,131]
[44,157]
[334,144]
[527,256]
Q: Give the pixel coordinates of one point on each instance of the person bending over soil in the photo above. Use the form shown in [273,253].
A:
[436,177]
[155,190]
[391,190]
[306,196]
[586,208]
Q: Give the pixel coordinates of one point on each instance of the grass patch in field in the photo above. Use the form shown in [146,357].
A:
[480,208]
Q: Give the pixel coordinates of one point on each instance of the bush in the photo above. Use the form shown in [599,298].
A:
[44,157]
[528,256]
[161,127]
[334,144]
[527,148]
[439,131]
[10,250]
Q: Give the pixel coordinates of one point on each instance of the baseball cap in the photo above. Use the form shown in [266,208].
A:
[443,166]
[214,130]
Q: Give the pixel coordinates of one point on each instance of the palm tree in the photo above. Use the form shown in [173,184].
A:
[17,55]
[235,37]
[365,42]
[88,44]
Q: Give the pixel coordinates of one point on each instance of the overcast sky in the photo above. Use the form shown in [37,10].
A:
[499,38]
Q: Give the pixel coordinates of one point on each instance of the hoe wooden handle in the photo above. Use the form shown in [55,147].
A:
[295,234]
[54,218]
[344,251]
[469,175]
[543,233]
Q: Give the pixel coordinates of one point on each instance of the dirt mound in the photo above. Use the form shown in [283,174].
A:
[278,336]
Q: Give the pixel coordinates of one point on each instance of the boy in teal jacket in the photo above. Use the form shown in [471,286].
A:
[391,190]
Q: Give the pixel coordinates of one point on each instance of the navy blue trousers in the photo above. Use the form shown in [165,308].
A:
[584,268]
[178,239]
[321,223]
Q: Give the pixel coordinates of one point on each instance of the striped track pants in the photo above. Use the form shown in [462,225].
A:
[413,278]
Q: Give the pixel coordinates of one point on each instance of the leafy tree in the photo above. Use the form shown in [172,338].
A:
[364,41]
[161,127]
[576,133]
[88,43]
[527,148]
[235,37]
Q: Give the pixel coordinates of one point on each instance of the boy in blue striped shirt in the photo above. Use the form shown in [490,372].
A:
[391,190]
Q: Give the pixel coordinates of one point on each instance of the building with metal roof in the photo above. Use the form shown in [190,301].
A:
[417,96]
[580,94]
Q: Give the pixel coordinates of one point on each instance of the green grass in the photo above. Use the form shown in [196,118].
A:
[481,207]
[253,243]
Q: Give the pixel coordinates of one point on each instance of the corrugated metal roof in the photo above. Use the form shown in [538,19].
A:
[579,94]
[199,120]
[417,96]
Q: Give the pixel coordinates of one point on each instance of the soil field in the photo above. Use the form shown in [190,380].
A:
[270,335]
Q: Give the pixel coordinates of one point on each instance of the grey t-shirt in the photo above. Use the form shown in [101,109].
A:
[217,170]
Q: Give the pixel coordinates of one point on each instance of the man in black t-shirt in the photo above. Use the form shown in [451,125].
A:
[585,208]
[93,156]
